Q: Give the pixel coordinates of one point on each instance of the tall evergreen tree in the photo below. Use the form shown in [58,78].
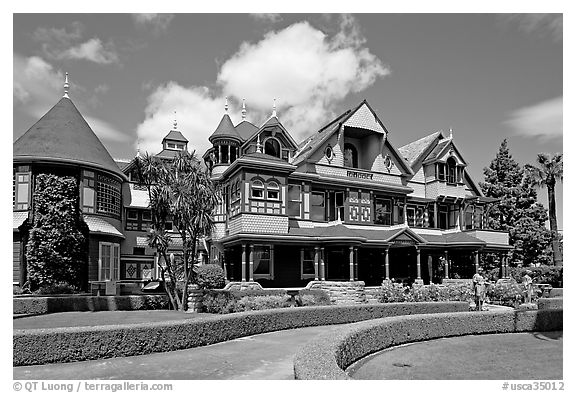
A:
[517,211]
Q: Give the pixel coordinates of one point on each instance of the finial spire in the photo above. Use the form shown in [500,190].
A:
[274,108]
[226,104]
[243,109]
[175,122]
[258,145]
[137,147]
[66,86]
[450,132]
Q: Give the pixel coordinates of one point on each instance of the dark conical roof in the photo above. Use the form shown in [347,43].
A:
[175,135]
[225,130]
[63,135]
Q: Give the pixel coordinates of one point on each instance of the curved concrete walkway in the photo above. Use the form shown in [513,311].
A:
[263,356]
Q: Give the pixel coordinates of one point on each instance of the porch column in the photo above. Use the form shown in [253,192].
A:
[351,258]
[316,262]
[476,260]
[387,263]
[322,267]
[504,267]
[243,262]
[251,266]
[506,261]
[232,270]
[446,264]
[418,269]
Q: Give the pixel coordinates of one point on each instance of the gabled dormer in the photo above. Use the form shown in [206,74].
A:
[355,140]
[271,139]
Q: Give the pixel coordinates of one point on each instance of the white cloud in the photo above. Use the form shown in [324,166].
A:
[61,44]
[305,69]
[272,18]
[158,22]
[92,50]
[37,86]
[197,113]
[539,24]
[542,121]
[308,72]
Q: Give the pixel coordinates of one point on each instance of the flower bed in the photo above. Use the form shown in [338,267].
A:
[225,302]
[40,346]
[330,354]
[394,292]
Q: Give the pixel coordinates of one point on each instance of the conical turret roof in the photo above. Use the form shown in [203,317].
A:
[225,130]
[63,135]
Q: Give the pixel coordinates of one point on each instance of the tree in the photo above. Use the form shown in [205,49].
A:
[57,247]
[179,190]
[517,210]
[548,170]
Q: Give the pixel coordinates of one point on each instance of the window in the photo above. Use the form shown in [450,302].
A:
[257,189]
[383,212]
[273,191]
[479,217]
[294,200]
[317,202]
[451,167]
[431,222]
[108,261]
[411,216]
[21,190]
[224,154]
[469,217]
[350,156]
[263,262]
[108,196]
[447,216]
[440,174]
[307,265]
[139,220]
[285,154]
[272,147]
[399,212]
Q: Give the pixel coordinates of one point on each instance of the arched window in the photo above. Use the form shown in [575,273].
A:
[451,169]
[257,189]
[350,156]
[273,191]
[272,147]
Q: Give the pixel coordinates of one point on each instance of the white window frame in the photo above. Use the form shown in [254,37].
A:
[257,185]
[270,275]
[305,276]
[273,186]
[114,262]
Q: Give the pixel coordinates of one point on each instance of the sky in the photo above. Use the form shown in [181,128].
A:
[485,76]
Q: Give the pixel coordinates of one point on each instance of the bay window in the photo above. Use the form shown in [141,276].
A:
[263,258]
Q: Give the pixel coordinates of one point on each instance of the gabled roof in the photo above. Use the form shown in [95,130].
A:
[63,135]
[442,147]
[225,130]
[175,135]
[310,145]
[272,122]
[414,151]
[246,129]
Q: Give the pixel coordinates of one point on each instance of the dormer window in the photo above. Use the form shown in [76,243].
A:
[451,170]
[350,156]
[272,147]
[174,146]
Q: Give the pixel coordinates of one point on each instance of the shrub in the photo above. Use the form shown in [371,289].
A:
[250,303]
[544,274]
[239,294]
[218,302]
[210,276]
[393,293]
[57,248]
[314,297]
[57,288]
[507,293]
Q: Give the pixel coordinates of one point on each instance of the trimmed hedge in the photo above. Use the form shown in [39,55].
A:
[40,346]
[550,303]
[44,305]
[330,354]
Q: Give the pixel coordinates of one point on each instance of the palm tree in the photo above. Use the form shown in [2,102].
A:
[548,170]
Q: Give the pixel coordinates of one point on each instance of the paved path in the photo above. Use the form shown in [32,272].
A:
[525,356]
[263,356]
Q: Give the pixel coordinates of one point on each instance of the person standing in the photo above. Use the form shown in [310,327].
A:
[479,287]
[527,284]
